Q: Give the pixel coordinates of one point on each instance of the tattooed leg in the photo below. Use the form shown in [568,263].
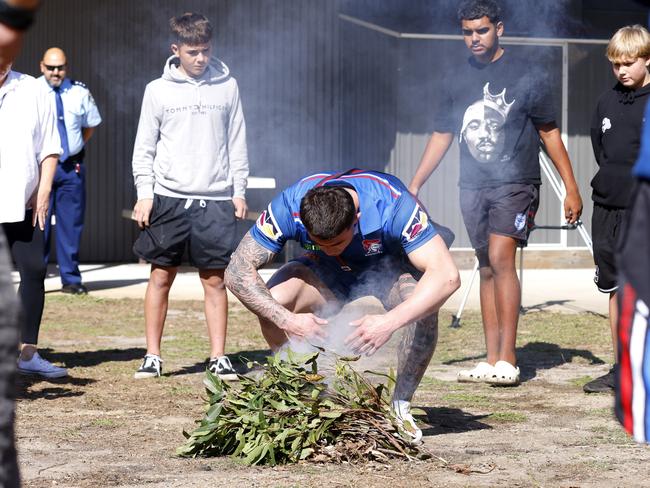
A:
[417,345]
[298,289]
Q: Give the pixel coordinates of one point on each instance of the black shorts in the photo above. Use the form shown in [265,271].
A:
[205,227]
[607,224]
[507,210]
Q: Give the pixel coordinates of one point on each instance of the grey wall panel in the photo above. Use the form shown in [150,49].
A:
[368,97]
[284,54]
[590,75]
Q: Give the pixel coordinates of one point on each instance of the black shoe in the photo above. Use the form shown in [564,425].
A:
[151,367]
[222,368]
[602,384]
[74,289]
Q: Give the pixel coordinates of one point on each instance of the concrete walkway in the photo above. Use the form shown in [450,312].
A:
[565,290]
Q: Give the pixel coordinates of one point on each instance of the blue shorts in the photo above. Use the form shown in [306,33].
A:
[376,280]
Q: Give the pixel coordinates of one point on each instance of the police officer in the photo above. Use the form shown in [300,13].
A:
[77,117]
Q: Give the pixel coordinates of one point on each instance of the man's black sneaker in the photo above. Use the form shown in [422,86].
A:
[222,368]
[74,289]
[602,384]
[151,367]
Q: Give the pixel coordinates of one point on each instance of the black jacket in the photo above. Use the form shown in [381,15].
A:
[616,139]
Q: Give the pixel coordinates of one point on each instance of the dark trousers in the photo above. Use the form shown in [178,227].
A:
[68,203]
[26,246]
[8,349]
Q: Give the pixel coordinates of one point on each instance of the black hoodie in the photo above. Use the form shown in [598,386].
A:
[616,139]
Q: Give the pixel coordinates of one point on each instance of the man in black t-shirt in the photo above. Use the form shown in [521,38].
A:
[499,108]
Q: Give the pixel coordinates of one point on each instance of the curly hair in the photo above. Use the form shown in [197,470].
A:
[477,9]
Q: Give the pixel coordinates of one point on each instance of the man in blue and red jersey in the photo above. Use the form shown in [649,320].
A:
[356,227]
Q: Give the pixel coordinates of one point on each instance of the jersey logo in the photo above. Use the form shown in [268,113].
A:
[520,221]
[607,124]
[310,247]
[417,223]
[267,226]
[372,246]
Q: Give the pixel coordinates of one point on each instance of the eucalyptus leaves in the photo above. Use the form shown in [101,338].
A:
[289,413]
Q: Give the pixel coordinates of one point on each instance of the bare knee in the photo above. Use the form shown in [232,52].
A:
[285,293]
[162,278]
[212,279]
[502,263]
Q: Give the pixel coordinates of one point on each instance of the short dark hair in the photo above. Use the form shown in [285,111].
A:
[477,9]
[191,29]
[327,211]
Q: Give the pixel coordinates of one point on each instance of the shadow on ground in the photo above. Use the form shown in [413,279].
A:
[86,359]
[539,355]
[443,420]
[65,387]
[106,284]
[546,355]
[239,361]
[548,306]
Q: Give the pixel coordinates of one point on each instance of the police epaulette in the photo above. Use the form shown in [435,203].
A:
[78,83]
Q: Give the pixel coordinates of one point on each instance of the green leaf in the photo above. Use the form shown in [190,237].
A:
[306,453]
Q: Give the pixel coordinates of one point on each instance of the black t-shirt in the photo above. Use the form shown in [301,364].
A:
[616,140]
[494,109]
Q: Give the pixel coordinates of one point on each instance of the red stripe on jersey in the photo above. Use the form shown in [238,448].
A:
[393,192]
[626,319]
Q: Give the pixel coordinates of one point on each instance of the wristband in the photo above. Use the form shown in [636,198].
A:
[15,17]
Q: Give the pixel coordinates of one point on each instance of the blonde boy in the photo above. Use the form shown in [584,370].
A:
[616,138]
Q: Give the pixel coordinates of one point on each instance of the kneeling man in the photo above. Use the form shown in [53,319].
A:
[356,226]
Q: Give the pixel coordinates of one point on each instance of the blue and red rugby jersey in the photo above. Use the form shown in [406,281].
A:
[392,221]
[642,166]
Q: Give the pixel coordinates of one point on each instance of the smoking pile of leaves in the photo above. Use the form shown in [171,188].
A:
[290,413]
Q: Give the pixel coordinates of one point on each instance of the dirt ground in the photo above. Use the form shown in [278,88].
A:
[102,428]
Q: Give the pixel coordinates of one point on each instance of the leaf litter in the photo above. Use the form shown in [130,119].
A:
[291,412]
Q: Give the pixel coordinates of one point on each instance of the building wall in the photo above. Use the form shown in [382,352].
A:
[318,92]
[284,54]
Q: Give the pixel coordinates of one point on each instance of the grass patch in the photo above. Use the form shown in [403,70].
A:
[581,381]
[607,413]
[508,417]
[547,337]
[467,399]
[104,423]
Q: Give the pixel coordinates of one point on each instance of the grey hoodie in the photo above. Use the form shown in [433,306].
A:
[191,140]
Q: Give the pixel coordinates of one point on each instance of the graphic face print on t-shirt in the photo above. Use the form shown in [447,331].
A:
[483,126]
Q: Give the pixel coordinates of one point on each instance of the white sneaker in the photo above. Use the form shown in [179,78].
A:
[151,367]
[402,410]
[40,367]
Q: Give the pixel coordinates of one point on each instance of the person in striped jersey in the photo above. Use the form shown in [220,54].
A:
[633,378]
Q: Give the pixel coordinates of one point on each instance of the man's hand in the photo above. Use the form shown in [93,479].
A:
[241,209]
[572,207]
[304,325]
[373,331]
[142,212]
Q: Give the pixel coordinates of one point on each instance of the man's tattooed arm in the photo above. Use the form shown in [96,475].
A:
[243,280]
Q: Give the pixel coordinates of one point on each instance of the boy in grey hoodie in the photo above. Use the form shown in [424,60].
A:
[190,167]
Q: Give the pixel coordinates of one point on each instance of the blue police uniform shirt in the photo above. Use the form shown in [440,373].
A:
[79,111]
[642,167]
[392,221]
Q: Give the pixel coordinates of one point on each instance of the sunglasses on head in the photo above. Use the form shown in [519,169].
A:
[52,68]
